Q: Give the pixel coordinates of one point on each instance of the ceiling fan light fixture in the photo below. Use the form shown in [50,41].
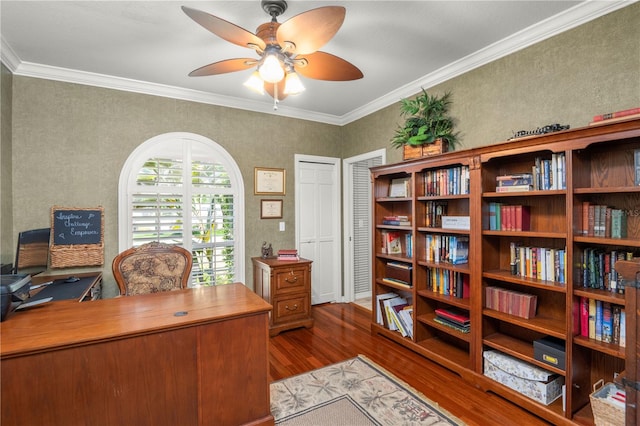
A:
[271,69]
[292,84]
[255,83]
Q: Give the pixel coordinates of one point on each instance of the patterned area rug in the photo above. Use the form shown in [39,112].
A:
[353,392]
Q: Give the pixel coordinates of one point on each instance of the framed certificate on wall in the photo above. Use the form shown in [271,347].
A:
[270,209]
[269,181]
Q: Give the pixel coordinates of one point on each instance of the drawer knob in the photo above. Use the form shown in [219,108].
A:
[295,307]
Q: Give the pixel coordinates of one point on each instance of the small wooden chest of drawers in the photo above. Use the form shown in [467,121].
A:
[286,285]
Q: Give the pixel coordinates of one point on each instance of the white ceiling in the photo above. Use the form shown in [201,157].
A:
[400,46]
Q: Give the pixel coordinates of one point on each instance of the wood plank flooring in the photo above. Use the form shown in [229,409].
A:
[342,331]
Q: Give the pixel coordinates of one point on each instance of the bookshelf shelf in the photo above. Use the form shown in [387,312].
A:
[444,353]
[517,348]
[577,168]
[506,276]
[606,348]
[608,190]
[458,302]
[394,285]
[602,295]
[541,324]
[618,242]
[545,193]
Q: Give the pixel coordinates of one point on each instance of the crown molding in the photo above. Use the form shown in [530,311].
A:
[571,18]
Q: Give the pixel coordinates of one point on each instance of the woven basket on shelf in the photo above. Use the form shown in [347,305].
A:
[604,412]
[65,256]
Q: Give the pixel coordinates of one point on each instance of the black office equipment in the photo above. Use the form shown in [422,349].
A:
[13,288]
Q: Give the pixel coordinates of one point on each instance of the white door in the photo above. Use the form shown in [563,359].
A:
[356,194]
[318,224]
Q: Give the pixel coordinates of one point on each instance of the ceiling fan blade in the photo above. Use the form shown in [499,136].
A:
[325,66]
[271,89]
[309,31]
[224,29]
[222,67]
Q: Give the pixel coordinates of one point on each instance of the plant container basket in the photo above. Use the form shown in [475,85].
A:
[418,151]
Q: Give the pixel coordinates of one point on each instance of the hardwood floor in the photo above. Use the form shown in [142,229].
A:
[342,331]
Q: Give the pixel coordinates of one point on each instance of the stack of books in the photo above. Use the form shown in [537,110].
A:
[288,254]
[396,220]
[453,318]
[514,182]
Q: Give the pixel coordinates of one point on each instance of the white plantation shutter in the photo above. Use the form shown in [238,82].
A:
[191,196]
[362,225]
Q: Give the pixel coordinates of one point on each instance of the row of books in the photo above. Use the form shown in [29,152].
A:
[396,220]
[396,243]
[549,174]
[453,318]
[506,217]
[448,283]
[603,221]
[546,174]
[511,302]
[447,248]
[450,181]
[601,321]
[597,269]
[541,263]
[288,254]
[395,312]
[434,210]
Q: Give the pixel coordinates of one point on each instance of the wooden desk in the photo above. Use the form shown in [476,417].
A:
[139,360]
[89,287]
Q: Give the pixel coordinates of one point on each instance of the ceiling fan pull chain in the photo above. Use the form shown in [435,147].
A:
[275,96]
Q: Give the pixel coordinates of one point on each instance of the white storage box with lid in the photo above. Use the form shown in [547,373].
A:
[535,382]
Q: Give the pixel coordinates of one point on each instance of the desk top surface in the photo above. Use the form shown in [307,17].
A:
[69,323]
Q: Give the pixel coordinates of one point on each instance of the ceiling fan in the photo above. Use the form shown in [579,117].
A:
[285,50]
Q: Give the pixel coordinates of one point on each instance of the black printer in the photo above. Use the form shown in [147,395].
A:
[13,288]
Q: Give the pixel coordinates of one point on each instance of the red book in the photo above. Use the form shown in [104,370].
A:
[522,218]
[617,114]
[453,315]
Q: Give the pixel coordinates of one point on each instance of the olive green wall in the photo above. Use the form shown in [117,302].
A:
[567,79]
[6,216]
[70,141]
[75,140]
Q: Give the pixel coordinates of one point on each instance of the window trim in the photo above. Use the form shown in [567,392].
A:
[148,149]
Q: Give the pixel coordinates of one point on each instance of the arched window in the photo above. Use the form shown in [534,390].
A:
[185,189]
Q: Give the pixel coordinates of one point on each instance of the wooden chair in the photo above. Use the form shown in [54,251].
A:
[32,253]
[152,268]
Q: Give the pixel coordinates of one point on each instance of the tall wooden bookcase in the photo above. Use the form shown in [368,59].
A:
[595,167]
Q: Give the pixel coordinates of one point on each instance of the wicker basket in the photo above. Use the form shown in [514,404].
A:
[604,412]
[65,256]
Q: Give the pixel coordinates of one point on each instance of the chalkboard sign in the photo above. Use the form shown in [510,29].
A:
[77,226]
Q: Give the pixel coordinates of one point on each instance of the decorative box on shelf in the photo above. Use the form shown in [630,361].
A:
[536,383]
[418,151]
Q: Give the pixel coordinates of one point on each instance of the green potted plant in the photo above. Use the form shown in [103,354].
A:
[427,122]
